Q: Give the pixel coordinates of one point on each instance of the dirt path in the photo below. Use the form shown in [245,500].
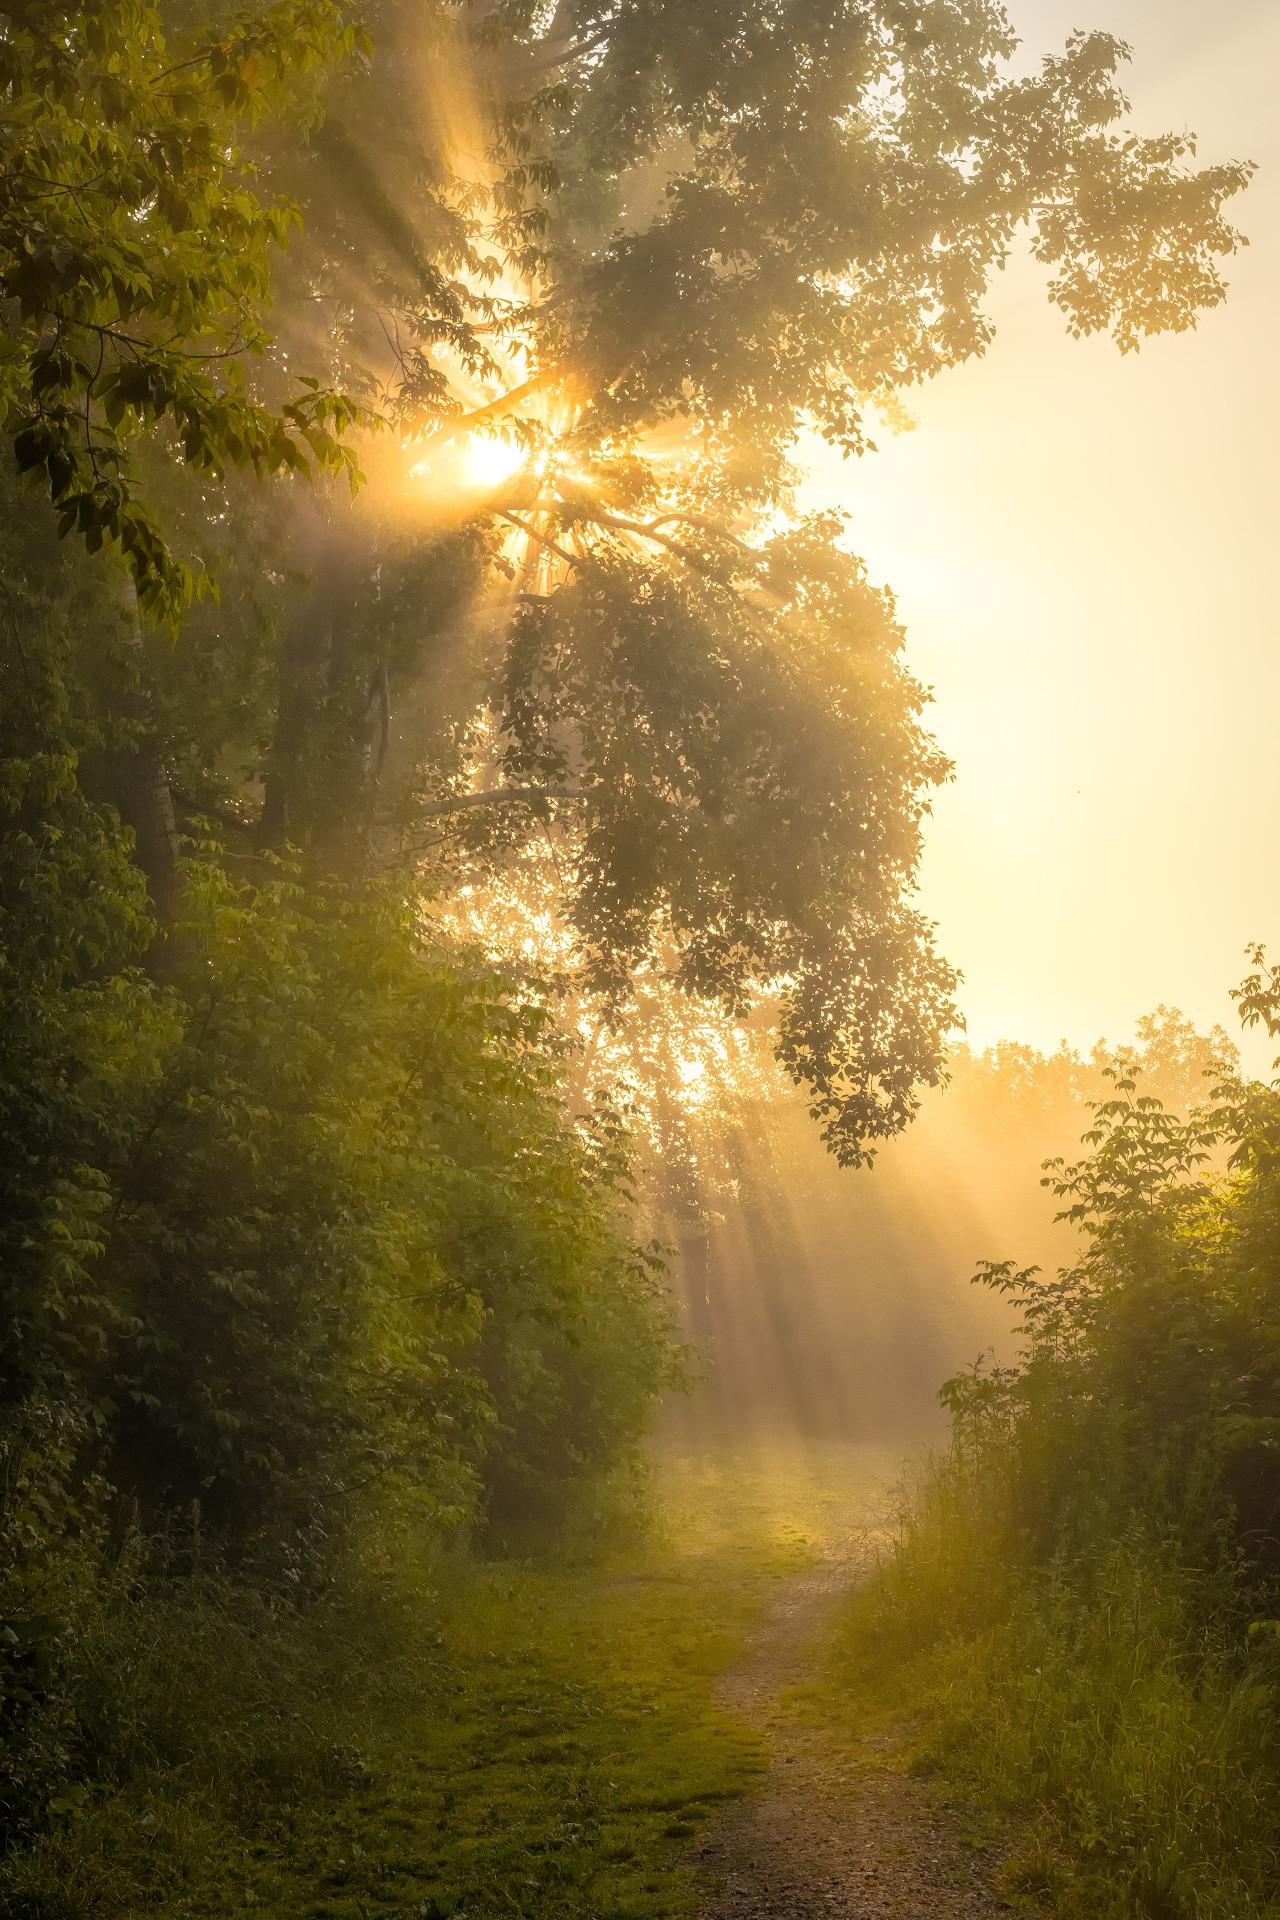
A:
[833,1831]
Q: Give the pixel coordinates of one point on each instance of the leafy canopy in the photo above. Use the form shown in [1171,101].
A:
[135,259]
[648,246]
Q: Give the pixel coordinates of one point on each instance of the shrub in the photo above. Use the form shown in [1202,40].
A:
[1083,1589]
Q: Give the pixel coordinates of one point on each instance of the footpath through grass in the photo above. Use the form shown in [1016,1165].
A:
[444,1738]
[1107,1727]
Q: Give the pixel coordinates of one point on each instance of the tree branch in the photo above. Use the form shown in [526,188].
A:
[589,509]
[480,416]
[543,539]
[499,797]
[711,527]
[646,531]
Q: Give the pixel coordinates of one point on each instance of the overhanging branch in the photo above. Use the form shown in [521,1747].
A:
[542,539]
[495,410]
[499,797]
[591,512]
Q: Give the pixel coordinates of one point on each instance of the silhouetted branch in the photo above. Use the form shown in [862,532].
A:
[543,539]
[499,797]
[495,410]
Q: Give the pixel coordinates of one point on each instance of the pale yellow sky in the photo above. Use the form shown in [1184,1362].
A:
[1081,546]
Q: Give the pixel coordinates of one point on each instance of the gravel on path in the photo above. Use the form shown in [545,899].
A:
[834,1829]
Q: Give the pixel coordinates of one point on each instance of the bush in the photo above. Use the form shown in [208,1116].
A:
[1083,1591]
[304,1222]
[294,1219]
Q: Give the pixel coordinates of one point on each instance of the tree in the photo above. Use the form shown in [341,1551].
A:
[135,259]
[645,246]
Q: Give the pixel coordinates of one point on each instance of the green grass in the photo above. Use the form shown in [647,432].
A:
[1104,1719]
[440,1736]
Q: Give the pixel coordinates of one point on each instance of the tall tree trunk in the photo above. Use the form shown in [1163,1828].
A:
[140,788]
[323,549]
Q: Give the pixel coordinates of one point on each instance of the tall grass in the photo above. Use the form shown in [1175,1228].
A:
[1113,1707]
[1079,1601]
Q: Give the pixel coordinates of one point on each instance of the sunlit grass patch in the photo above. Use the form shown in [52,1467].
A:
[777,1498]
[439,1735]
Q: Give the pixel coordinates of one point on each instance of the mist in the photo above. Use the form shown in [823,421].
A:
[829,1305]
[613,617]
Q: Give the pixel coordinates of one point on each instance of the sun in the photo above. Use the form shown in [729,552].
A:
[489,460]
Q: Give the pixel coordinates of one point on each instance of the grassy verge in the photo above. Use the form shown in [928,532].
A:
[1111,1719]
[439,1737]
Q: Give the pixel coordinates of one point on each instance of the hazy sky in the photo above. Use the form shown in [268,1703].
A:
[1082,548]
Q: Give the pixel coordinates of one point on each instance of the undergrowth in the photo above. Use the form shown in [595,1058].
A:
[435,1735]
[1111,1715]
[1078,1608]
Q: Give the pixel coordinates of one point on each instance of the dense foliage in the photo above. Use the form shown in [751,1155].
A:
[135,258]
[292,1214]
[1092,1575]
[1148,1385]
